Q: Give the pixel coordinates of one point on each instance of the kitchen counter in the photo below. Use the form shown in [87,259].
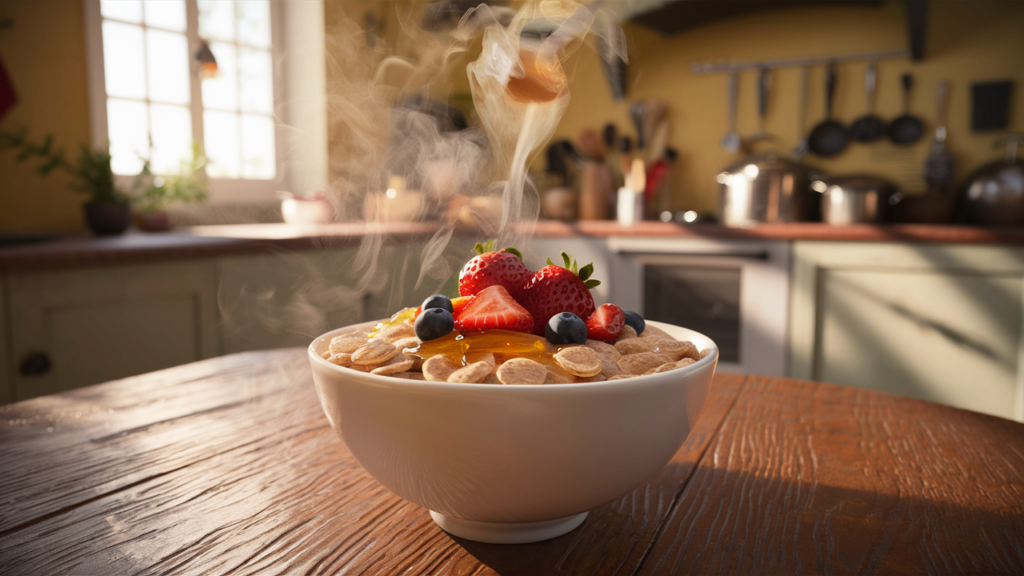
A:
[204,241]
[229,465]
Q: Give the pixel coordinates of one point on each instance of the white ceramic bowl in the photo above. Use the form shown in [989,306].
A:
[513,464]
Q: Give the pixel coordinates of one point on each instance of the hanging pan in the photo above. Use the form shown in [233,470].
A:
[906,129]
[829,137]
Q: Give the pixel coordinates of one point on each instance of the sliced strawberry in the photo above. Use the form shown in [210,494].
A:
[606,322]
[502,268]
[494,308]
[555,289]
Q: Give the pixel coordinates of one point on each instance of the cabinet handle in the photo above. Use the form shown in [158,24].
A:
[35,364]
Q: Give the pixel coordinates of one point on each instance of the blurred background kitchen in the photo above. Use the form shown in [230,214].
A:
[830,190]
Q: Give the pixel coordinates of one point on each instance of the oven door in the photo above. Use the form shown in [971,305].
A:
[735,292]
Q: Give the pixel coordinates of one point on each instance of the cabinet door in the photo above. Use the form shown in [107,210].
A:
[941,323]
[81,327]
[286,299]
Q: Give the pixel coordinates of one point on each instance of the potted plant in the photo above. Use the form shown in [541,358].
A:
[107,212]
[156,192]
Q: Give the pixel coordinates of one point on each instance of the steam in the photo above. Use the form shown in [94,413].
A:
[402,153]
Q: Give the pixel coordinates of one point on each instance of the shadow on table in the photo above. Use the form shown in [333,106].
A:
[737,522]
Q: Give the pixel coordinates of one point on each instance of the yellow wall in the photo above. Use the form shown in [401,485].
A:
[44,53]
[967,42]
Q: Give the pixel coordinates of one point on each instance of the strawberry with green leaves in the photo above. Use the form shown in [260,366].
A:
[489,268]
[554,289]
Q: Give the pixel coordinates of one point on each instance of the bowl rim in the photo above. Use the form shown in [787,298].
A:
[698,366]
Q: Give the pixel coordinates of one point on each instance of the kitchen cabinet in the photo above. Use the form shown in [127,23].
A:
[287,298]
[937,322]
[72,328]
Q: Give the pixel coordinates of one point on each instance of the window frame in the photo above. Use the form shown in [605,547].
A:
[222,190]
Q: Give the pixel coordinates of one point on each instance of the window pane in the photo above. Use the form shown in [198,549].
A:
[256,90]
[169,14]
[220,130]
[167,59]
[222,91]
[122,60]
[257,147]
[172,137]
[216,20]
[254,22]
[127,129]
[127,10]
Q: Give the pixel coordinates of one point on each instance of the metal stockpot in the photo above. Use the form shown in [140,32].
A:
[854,199]
[994,194]
[765,187]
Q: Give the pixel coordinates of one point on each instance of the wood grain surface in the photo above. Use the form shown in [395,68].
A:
[229,466]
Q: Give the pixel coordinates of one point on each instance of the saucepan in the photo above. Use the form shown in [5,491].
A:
[856,199]
[765,187]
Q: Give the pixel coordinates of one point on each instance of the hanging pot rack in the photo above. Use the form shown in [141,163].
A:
[725,67]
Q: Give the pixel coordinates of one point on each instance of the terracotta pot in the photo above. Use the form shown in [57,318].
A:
[108,218]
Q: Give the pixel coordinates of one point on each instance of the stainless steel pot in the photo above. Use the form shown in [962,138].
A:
[765,187]
[994,194]
[855,199]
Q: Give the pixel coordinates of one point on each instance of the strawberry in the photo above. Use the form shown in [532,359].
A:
[458,305]
[494,308]
[606,322]
[502,268]
[554,289]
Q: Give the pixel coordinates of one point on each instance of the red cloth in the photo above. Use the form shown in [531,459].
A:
[7,96]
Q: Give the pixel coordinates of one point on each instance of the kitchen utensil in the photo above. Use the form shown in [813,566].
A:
[625,157]
[612,49]
[990,102]
[653,115]
[869,127]
[764,80]
[611,136]
[828,138]
[637,111]
[476,437]
[854,199]
[765,187]
[659,141]
[994,194]
[800,150]
[906,129]
[562,160]
[731,140]
[939,166]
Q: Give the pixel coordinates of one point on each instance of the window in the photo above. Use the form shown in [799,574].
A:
[148,99]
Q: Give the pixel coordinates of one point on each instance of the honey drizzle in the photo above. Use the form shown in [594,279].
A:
[465,347]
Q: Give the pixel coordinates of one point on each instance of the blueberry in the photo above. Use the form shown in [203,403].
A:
[566,328]
[636,321]
[434,323]
[438,301]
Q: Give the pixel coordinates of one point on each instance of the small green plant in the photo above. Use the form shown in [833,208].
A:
[187,185]
[92,174]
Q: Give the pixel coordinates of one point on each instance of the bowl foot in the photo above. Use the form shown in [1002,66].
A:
[508,532]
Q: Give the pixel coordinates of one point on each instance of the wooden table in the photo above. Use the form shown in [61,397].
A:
[229,465]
